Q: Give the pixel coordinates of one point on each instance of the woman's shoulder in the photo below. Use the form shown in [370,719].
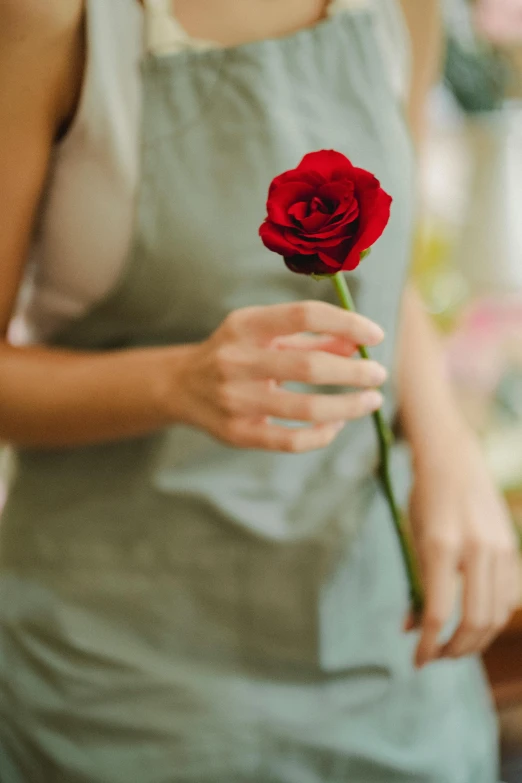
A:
[41,49]
[21,19]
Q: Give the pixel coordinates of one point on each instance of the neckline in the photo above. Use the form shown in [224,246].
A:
[174,38]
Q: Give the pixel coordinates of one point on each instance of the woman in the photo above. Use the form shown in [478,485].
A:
[192,590]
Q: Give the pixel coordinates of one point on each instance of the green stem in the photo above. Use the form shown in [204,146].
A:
[385,438]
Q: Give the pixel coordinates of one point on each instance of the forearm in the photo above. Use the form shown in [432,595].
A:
[52,399]
[427,408]
[428,412]
[424,21]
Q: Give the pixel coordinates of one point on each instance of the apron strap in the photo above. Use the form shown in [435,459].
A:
[163,34]
[153,5]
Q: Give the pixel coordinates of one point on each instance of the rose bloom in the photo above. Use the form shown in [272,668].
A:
[323,215]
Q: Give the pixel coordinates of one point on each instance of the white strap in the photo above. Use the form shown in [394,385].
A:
[336,6]
[163,32]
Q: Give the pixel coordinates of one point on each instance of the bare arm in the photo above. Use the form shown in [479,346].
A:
[423,381]
[424,385]
[48,397]
[424,20]
[459,520]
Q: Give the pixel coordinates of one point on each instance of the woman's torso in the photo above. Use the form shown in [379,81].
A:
[218,123]
[96,169]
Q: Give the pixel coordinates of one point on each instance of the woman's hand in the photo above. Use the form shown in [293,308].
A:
[462,528]
[230,385]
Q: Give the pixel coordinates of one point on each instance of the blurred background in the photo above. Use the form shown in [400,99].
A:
[468,266]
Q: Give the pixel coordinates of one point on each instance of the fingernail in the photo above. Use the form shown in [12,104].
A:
[421,658]
[378,375]
[373,400]
[457,654]
[375,334]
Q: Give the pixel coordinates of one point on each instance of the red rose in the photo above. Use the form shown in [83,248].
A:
[324,214]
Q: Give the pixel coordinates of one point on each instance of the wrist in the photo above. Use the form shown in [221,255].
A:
[438,438]
[168,382]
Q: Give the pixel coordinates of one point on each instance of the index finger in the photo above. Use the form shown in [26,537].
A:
[441,564]
[267,323]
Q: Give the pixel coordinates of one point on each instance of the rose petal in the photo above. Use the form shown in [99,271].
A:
[314,222]
[329,164]
[273,238]
[336,256]
[304,243]
[299,211]
[287,195]
[334,234]
[317,204]
[375,206]
[288,177]
[341,196]
[367,189]
[346,210]
[340,190]
[342,226]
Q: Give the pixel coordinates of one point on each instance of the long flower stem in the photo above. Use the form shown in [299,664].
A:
[385,438]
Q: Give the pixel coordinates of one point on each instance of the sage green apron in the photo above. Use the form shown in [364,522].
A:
[175,610]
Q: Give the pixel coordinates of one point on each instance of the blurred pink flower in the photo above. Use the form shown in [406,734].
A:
[500,20]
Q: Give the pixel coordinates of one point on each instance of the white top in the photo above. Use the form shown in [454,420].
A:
[86,222]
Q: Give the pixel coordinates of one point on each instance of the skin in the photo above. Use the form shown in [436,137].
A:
[461,525]
[229,384]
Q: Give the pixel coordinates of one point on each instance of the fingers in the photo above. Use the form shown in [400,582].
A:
[316,368]
[320,408]
[259,434]
[489,598]
[440,571]
[264,324]
[477,605]
[319,368]
[506,595]
[267,399]
[302,342]
[500,603]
